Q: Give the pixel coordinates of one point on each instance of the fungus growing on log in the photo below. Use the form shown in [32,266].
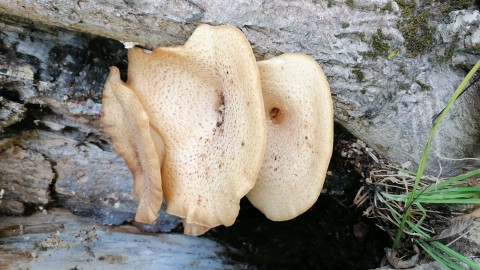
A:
[299,114]
[190,123]
[204,101]
[136,141]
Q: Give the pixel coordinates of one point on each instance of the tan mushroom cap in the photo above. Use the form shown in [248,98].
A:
[205,100]
[194,229]
[141,147]
[299,112]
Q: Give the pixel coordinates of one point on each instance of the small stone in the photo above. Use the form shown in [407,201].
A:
[406,165]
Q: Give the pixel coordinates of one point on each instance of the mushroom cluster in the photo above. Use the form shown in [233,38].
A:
[203,125]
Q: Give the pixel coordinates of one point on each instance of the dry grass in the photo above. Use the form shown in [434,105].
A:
[384,179]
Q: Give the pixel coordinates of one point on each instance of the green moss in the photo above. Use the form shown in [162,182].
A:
[407,6]
[404,86]
[352,35]
[423,87]
[388,7]
[460,4]
[378,42]
[378,45]
[452,5]
[475,50]
[359,76]
[345,25]
[361,35]
[448,54]
[330,3]
[419,36]
[351,3]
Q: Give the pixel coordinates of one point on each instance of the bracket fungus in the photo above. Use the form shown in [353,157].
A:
[202,100]
[299,111]
[136,141]
[191,124]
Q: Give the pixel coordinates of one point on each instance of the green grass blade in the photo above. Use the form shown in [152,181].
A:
[443,261]
[466,193]
[406,171]
[424,214]
[455,254]
[417,230]
[423,159]
[454,199]
[434,197]
[448,251]
[454,189]
[396,216]
[454,180]
[414,228]
[449,195]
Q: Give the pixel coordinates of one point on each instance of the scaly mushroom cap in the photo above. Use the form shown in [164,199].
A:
[299,112]
[140,146]
[205,100]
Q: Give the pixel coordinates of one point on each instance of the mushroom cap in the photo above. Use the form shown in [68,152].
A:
[141,146]
[299,114]
[205,100]
[194,229]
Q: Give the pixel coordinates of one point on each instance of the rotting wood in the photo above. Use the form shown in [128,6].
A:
[50,239]
[32,175]
[379,85]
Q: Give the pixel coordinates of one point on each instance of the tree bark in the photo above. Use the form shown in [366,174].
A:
[389,75]
[391,68]
[58,238]
[385,92]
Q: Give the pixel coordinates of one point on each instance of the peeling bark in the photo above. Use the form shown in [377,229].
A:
[389,76]
[10,112]
[54,58]
[60,238]
[52,77]
[25,176]
[51,82]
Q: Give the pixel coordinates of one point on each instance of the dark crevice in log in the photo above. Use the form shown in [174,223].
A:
[30,121]
[54,196]
[98,141]
[29,208]
[99,54]
[9,92]
[73,70]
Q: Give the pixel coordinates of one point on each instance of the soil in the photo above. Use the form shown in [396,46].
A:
[331,235]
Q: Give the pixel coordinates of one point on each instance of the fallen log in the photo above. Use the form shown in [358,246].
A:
[57,239]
